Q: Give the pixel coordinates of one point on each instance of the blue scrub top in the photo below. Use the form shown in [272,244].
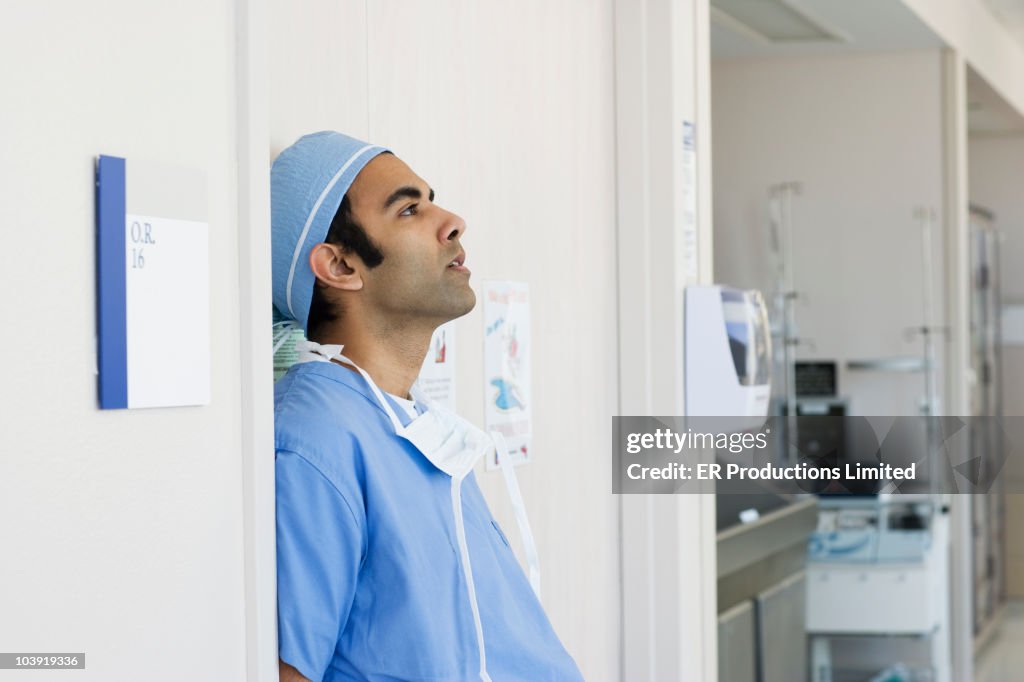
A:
[370,586]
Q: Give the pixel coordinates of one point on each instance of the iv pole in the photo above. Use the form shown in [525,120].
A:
[926,219]
[929,408]
[780,218]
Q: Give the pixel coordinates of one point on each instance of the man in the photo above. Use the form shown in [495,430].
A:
[390,566]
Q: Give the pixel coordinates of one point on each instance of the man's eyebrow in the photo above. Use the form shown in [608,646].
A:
[407,192]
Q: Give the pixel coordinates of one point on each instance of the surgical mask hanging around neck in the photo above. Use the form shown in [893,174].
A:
[449,442]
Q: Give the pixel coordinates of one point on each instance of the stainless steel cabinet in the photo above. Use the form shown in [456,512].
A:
[780,631]
[736,653]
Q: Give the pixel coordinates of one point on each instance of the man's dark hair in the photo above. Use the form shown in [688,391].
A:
[352,238]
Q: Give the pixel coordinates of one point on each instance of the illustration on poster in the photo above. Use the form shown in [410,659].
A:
[508,396]
[507,365]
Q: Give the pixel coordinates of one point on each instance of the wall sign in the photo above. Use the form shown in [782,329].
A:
[153,286]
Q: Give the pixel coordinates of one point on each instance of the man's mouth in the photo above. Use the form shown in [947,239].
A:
[458,262]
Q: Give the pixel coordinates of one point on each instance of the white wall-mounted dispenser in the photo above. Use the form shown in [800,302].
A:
[728,352]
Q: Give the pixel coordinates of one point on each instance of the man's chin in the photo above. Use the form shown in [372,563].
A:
[467,305]
[454,305]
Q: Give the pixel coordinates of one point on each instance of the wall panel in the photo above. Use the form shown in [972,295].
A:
[122,530]
[507,110]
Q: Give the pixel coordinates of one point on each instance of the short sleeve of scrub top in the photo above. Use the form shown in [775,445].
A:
[320,547]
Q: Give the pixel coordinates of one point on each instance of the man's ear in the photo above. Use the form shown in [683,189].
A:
[335,267]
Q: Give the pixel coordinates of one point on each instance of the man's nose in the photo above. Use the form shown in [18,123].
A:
[452,228]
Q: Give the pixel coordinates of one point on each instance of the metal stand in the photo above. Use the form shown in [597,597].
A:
[780,228]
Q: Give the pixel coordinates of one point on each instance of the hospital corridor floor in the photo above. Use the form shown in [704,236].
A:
[1003,659]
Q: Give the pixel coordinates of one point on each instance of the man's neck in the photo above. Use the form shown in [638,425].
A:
[392,359]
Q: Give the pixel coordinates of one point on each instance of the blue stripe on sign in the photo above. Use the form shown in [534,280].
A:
[111,296]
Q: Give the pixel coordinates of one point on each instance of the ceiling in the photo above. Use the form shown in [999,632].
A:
[860,25]
[867,26]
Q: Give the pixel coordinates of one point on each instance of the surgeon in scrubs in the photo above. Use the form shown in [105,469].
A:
[389,563]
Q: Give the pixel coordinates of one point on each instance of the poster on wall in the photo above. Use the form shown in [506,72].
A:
[507,405]
[437,376]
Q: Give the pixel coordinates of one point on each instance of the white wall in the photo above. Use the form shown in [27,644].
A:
[507,110]
[864,135]
[121,531]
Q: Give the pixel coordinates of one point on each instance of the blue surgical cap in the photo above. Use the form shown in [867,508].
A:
[307,183]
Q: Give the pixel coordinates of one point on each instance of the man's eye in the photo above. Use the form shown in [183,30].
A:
[411,210]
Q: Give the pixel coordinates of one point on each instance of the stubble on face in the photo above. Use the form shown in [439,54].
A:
[413,284]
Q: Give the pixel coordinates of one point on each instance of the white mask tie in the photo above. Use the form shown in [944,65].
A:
[519,509]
